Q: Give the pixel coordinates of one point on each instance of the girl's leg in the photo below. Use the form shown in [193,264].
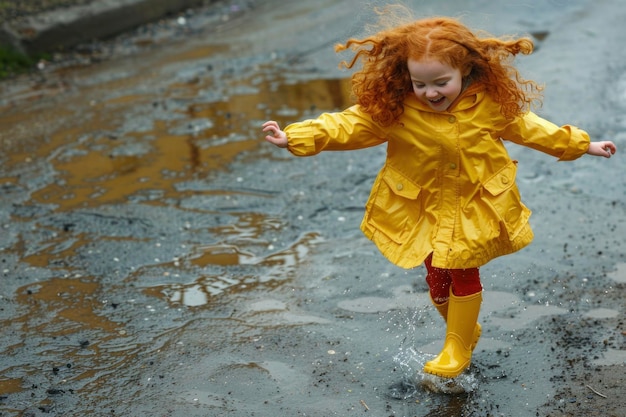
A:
[439,281]
[463,330]
[465,281]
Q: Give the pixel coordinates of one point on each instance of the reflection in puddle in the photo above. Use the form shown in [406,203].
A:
[70,305]
[273,269]
[222,255]
[101,173]
[64,332]
[139,148]
[10,386]
[53,252]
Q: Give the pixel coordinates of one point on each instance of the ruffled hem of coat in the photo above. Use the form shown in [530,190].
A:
[406,257]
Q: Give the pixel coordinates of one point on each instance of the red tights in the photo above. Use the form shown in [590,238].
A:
[463,281]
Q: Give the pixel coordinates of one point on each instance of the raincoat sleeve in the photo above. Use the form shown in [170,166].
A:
[565,142]
[346,130]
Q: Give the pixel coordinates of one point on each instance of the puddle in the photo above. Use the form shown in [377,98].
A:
[10,386]
[611,357]
[144,147]
[63,307]
[619,275]
[501,309]
[274,269]
[101,150]
[404,298]
[601,313]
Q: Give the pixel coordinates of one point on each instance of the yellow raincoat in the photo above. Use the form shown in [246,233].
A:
[448,184]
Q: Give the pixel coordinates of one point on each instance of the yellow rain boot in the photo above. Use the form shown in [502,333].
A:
[443,310]
[456,354]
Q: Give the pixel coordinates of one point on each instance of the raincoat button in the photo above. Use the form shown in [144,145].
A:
[399,186]
[451,119]
[504,180]
[453,166]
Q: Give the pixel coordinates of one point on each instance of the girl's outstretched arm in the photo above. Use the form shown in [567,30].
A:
[604,148]
[274,134]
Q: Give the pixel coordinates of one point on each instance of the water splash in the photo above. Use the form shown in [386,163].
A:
[411,362]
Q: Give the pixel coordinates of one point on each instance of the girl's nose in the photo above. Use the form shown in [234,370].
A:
[431,92]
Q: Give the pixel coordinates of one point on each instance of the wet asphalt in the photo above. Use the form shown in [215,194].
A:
[158,258]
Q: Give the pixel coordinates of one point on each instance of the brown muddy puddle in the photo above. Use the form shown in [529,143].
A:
[92,146]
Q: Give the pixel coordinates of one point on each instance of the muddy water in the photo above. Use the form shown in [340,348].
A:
[158,258]
[70,249]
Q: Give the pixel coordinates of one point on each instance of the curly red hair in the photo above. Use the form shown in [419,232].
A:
[383,83]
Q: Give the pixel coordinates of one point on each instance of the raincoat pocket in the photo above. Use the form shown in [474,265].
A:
[394,208]
[504,198]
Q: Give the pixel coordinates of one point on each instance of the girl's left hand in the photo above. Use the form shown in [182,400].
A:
[604,148]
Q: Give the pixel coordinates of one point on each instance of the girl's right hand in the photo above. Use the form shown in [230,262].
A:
[275,135]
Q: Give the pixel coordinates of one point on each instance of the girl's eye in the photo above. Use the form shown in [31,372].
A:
[441,84]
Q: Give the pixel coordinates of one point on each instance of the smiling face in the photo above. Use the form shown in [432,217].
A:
[435,83]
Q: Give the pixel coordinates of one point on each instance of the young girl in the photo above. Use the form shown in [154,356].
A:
[443,100]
